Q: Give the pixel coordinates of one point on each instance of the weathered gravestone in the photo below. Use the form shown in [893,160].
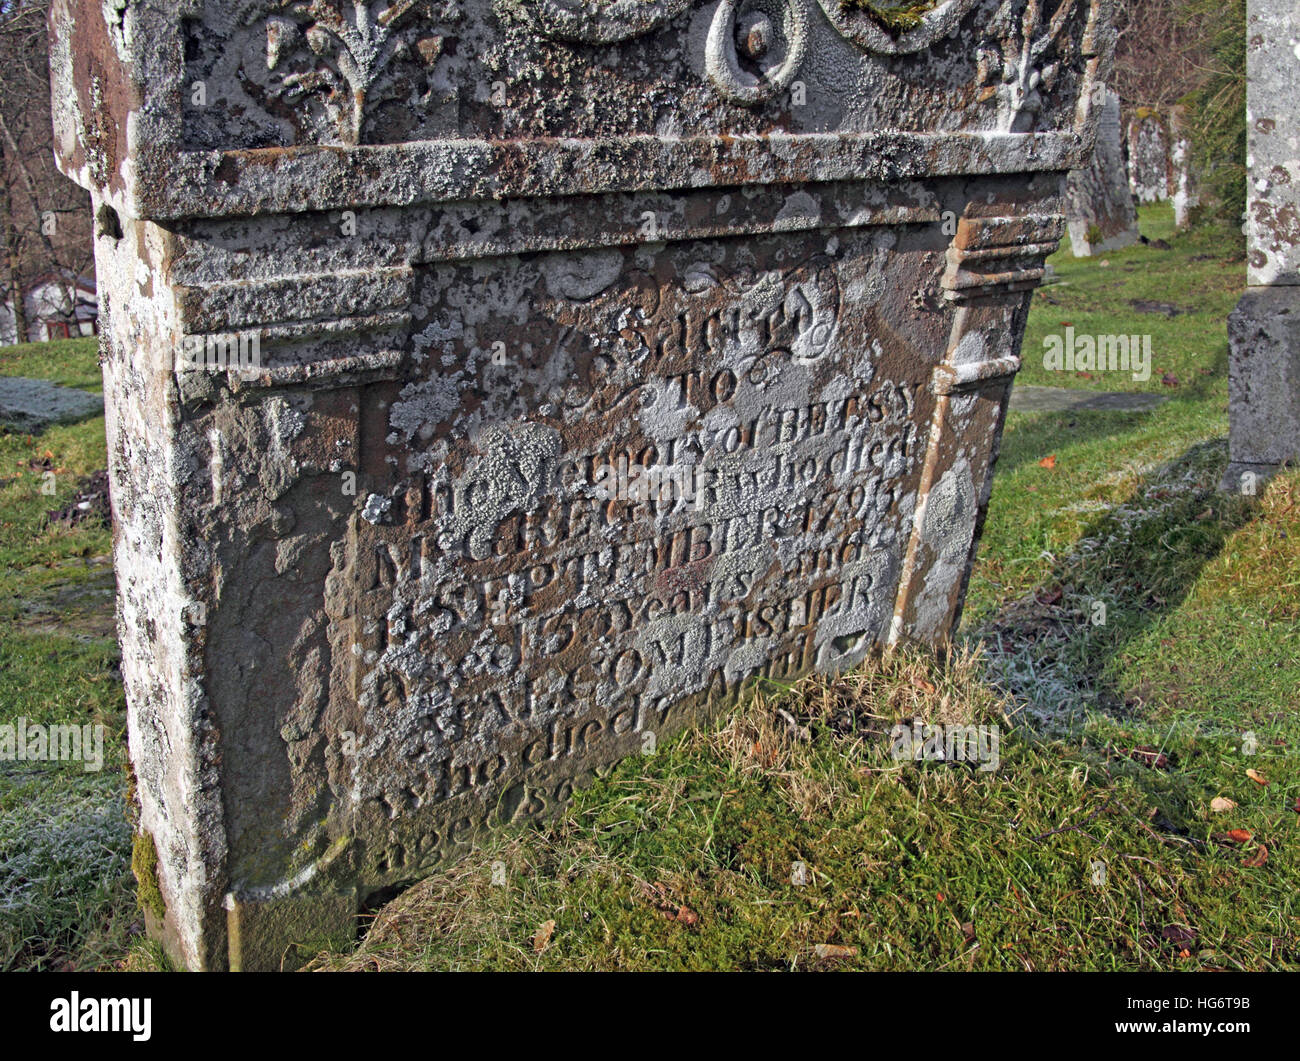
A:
[1148,157]
[494,388]
[1264,329]
[1186,196]
[1099,205]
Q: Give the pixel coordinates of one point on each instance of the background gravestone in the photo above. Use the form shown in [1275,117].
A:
[408,304]
[1186,195]
[1264,329]
[1099,205]
[1148,157]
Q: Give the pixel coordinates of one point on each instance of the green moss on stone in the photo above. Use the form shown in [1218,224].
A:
[144,864]
[896,17]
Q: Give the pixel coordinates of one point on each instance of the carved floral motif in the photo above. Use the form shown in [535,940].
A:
[607,21]
[1033,45]
[344,51]
[755,47]
[870,36]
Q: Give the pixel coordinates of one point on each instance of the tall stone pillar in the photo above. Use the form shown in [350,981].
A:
[496,387]
[1264,330]
[1182,174]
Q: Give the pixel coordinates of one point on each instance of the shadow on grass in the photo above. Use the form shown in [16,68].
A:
[1038,434]
[1135,564]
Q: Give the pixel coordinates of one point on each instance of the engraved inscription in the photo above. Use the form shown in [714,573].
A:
[515,620]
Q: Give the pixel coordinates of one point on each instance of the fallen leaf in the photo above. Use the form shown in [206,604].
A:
[1048,462]
[543,936]
[1257,777]
[835,950]
[1221,805]
[927,687]
[1296,808]
[1179,934]
[968,930]
[1169,379]
[663,901]
[1258,858]
[1235,836]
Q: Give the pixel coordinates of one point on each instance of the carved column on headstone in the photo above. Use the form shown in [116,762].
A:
[1264,329]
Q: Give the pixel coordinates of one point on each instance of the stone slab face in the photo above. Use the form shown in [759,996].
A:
[1265,382]
[1148,158]
[600,360]
[1264,377]
[1099,204]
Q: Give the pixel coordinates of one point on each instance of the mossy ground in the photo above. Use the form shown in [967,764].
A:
[1084,850]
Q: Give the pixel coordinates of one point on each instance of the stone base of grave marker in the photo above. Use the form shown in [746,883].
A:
[1264,386]
[495,389]
[1264,330]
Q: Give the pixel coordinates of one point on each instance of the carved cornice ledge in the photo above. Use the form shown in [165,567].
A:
[294,180]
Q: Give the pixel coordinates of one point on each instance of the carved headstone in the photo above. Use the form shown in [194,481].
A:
[496,387]
[1099,205]
[1264,329]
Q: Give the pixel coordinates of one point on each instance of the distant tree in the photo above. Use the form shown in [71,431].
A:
[1158,54]
[1217,107]
[44,217]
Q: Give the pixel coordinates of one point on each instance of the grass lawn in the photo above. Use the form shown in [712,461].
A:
[1135,635]
[65,890]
